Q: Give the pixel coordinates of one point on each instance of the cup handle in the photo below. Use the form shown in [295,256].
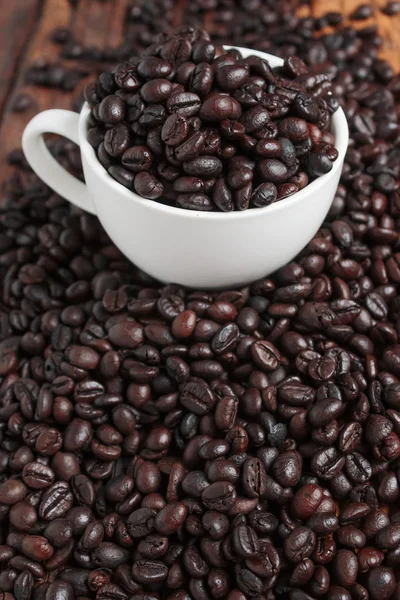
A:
[65,123]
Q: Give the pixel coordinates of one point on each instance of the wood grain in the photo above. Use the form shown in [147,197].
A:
[55,13]
[17,22]
[26,26]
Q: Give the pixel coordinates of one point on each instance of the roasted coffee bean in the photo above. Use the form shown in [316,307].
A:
[12,491]
[151,67]
[286,469]
[148,186]
[351,537]
[109,555]
[37,476]
[219,496]
[170,518]
[328,463]
[197,397]
[245,542]
[253,478]
[299,544]
[112,109]
[345,567]
[363,11]
[269,415]
[381,582]
[264,195]
[36,548]
[219,107]
[184,103]
[137,159]
[204,167]
[174,130]
[273,171]
[221,90]
[248,581]
[149,571]
[232,77]
[55,502]
[306,501]
[156,91]
[22,516]
[117,140]
[141,522]
[194,202]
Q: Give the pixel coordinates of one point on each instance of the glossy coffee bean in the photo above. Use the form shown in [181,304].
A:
[158,442]
[168,108]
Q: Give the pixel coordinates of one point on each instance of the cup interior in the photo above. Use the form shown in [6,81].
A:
[339,129]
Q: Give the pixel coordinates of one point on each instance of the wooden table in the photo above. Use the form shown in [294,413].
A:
[26,25]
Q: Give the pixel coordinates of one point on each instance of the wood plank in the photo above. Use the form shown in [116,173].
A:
[93,23]
[55,13]
[17,21]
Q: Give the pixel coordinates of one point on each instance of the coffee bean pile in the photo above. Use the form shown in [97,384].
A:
[204,129]
[163,443]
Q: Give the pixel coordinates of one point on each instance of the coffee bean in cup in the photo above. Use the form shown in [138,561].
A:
[198,127]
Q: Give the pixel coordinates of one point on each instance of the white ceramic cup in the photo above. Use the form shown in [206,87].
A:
[203,250]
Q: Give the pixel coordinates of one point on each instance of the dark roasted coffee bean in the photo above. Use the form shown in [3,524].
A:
[264,195]
[12,491]
[174,130]
[229,92]
[197,397]
[109,555]
[194,202]
[345,567]
[137,159]
[273,171]
[141,522]
[117,140]
[381,582]
[37,476]
[306,501]
[153,436]
[123,176]
[219,107]
[328,463]
[363,11]
[253,478]
[317,164]
[170,518]
[149,571]
[248,581]
[112,109]
[55,502]
[219,496]
[148,186]
[232,77]
[299,544]
[184,103]
[245,541]
[204,167]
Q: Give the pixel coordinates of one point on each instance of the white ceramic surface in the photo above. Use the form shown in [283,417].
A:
[196,249]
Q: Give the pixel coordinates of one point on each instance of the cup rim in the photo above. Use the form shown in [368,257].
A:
[339,123]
